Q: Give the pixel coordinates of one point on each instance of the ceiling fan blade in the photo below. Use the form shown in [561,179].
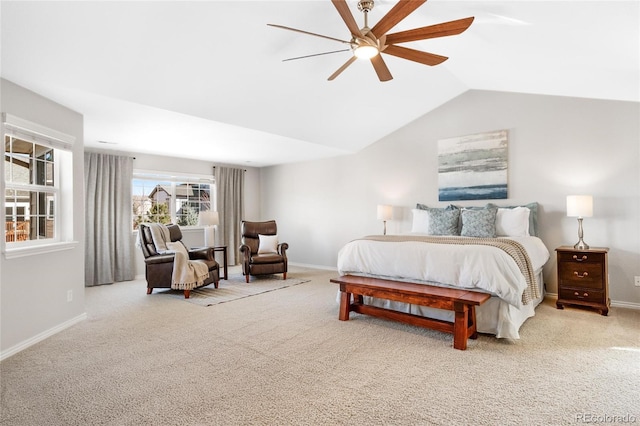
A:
[401,10]
[316,54]
[415,55]
[381,68]
[308,33]
[432,31]
[347,17]
[342,68]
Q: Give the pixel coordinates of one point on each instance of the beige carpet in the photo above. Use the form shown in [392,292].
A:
[234,288]
[283,358]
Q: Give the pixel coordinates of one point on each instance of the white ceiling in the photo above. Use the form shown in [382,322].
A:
[206,80]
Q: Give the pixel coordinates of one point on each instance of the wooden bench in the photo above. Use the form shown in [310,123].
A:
[461,301]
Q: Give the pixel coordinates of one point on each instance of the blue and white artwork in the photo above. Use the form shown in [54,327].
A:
[473,167]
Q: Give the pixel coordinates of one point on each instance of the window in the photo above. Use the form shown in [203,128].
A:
[33,158]
[168,198]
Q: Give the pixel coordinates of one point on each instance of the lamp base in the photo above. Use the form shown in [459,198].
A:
[209,236]
[581,245]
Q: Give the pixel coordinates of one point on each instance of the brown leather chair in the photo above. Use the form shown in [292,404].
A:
[254,263]
[159,267]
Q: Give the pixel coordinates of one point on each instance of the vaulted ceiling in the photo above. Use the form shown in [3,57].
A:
[206,80]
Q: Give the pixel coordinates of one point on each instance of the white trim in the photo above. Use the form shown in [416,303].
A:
[145,174]
[614,303]
[626,305]
[308,265]
[35,132]
[41,336]
[32,250]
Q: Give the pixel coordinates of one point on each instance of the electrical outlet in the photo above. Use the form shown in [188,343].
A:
[69,295]
[637,280]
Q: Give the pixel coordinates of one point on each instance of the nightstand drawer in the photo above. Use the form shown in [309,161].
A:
[580,257]
[582,295]
[581,275]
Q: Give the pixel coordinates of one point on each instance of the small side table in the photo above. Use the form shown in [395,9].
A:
[583,278]
[223,249]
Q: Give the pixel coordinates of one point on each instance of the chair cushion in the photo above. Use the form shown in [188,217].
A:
[266,258]
[147,240]
[175,234]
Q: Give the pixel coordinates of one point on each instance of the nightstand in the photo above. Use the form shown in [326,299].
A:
[583,278]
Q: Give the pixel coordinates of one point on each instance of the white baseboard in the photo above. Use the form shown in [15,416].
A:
[40,337]
[614,303]
[627,305]
[307,265]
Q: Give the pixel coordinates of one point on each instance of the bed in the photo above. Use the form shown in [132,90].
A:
[490,249]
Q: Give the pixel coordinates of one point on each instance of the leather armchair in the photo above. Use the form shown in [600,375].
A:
[159,267]
[254,263]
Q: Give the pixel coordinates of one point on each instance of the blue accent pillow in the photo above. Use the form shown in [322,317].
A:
[480,223]
[443,222]
[421,206]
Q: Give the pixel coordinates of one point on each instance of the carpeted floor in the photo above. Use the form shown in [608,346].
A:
[283,358]
[235,288]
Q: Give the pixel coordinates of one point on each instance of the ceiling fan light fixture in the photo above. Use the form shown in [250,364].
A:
[365,51]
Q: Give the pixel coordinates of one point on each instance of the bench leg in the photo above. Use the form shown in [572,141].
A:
[345,301]
[472,323]
[460,326]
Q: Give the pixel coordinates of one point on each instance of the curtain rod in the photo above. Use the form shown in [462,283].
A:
[244,170]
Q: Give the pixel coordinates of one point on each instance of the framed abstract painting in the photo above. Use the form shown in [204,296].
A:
[473,167]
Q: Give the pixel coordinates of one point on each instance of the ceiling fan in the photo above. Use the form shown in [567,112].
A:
[368,43]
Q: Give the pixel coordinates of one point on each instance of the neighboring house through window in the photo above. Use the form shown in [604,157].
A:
[167,198]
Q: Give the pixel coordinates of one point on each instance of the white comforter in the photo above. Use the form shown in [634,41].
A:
[469,266]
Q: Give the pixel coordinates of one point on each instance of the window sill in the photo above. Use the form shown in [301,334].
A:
[14,253]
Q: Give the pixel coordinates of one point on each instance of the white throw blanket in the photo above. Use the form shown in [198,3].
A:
[187,274]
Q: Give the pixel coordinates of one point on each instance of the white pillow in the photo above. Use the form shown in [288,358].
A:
[420,221]
[512,222]
[268,244]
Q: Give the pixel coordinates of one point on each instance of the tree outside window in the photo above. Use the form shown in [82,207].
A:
[167,201]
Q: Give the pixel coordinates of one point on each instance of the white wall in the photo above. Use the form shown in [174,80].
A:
[557,146]
[33,289]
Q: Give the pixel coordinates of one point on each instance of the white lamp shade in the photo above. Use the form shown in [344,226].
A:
[579,205]
[385,212]
[208,218]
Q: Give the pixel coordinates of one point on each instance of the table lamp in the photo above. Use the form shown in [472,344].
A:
[580,206]
[209,219]
[385,212]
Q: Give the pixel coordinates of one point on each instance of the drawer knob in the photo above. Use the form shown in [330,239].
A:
[584,257]
[575,293]
[583,275]
[586,294]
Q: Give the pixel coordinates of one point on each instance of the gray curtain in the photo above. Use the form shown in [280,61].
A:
[109,245]
[230,205]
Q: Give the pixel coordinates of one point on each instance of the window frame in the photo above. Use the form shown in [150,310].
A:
[173,178]
[62,188]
